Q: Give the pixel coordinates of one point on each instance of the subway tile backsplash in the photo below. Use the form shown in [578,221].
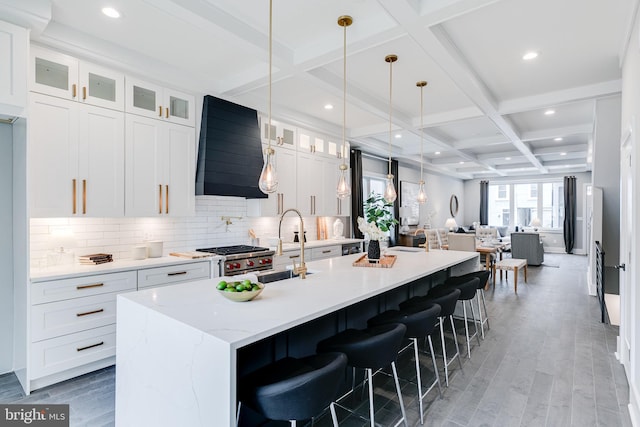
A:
[118,235]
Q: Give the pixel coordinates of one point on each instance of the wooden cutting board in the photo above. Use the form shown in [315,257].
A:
[386,261]
[191,255]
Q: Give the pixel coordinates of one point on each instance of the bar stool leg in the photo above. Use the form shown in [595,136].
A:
[466,328]
[455,340]
[475,322]
[395,377]
[418,377]
[435,366]
[477,298]
[486,313]
[444,352]
[371,408]
[334,417]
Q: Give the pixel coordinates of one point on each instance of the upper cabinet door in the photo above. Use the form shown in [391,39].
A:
[144,99]
[14,43]
[150,100]
[54,73]
[179,107]
[101,87]
[60,75]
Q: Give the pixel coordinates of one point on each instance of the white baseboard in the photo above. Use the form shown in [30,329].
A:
[634,409]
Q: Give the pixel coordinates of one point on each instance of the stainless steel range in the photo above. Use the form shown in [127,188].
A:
[242,258]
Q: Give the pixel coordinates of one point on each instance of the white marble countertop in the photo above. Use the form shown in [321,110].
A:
[291,246]
[334,284]
[77,270]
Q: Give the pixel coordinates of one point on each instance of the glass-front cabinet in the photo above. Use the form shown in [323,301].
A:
[154,101]
[282,135]
[63,76]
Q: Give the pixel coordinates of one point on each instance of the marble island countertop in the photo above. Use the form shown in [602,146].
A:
[334,284]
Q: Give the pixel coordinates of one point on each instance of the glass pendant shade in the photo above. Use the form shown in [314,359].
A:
[343,191]
[268,178]
[422,196]
[390,194]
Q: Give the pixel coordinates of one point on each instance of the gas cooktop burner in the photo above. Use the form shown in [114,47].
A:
[232,250]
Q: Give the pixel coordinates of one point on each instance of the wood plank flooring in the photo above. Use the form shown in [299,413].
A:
[547,361]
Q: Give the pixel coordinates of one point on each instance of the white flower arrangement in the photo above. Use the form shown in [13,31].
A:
[371,230]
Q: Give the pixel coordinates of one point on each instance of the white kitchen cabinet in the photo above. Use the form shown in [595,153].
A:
[285,196]
[309,191]
[14,45]
[157,102]
[63,76]
[282,135]
[162,276]
[325,252]
[76,159]
[160,168]
[72,325]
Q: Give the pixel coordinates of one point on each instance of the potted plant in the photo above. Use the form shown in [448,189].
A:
[378,220]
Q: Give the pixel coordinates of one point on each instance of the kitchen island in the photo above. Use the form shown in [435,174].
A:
[179,348]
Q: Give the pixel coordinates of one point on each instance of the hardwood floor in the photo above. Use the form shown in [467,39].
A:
[546,361]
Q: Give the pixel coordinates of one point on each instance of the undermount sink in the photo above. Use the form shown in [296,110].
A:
[274,276]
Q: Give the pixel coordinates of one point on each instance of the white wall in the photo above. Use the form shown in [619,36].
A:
[6,249]
[606,172]
[472,198]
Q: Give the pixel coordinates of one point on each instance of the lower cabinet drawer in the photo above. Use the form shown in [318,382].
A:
[75,315]
[70,351]
[326,252]
[78,287]
[159,276]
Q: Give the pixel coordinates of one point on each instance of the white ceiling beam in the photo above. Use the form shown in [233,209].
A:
[438,11]
[578,148]
[500,155]
[481,142]
[537,135]
[561,163]
[565,96]
[446,117]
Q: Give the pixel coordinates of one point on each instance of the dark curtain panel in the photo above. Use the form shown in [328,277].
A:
[484,202]
[569,212]
[357,198]
[395,234]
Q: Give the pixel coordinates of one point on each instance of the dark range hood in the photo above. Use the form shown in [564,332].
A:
[230,151]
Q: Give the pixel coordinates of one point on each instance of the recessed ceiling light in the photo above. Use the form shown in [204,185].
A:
[507,158]
[549,112]
[398,135]
[563,154]
[462,163]
[529,56]
[111,12]
[437,153]
[328,107]
[557,139]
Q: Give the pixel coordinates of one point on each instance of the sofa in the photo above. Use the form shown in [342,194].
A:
[527,246]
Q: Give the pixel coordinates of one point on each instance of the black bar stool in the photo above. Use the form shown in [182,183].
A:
[468,291]
[294,389]
[420,323]
[483,275]
[447,305]
[369,349]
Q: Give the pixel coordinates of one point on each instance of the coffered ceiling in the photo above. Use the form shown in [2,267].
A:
[484,106]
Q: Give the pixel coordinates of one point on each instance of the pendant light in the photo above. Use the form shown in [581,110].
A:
[422,196]
[343,191]
[390,194]
[268,182]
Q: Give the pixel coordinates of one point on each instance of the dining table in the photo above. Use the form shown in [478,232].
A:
[487,249]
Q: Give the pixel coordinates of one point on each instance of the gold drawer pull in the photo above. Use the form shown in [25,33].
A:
[74,91]
[84,92]
[84,196]
[86,313]
[159,198]
[73,197]
[166,202]
[166,110]
[160,111]
[95,285]
[179,273]
[326,252]
[90,346]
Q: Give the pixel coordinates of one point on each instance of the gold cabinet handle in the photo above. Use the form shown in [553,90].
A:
[339,206]
[160,110]
[166,195]
[166,111]
[90,346]
[86,313]
[179,273]
[74,90]
[73,199]
[84,92]
[159,198]
[280,203]
[84,196]
[95,285]
[326,252]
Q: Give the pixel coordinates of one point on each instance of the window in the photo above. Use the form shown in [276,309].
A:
[372,184]
[518,204]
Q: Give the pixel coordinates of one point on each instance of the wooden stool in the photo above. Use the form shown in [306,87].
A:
[512,264]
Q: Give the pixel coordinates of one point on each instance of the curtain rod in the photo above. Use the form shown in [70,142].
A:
[374,156]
